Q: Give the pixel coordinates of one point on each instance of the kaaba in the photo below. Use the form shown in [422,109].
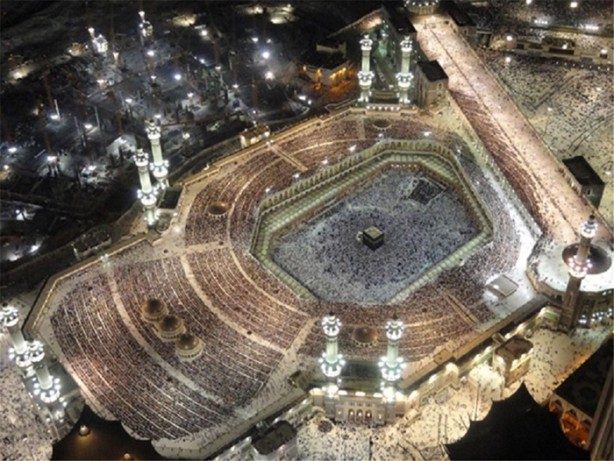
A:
[373,237]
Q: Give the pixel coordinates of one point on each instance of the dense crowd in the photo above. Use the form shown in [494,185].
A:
[251,323]
[231,367]
[570,107]
[24,434]
[326,256]
[557,12]
[119,373]
[531,169]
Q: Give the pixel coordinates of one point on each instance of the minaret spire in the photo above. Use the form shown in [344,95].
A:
[404,77]
[365,76]
[392,365]
[160,166]
[20,351]
[578,267]
[331,362]
[45,388]
[146,194]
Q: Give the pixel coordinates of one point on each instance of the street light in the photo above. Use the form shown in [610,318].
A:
[12,150]
[151,53]
[269,75]
[573,5]
[88,126]
[177,77]
[266,54]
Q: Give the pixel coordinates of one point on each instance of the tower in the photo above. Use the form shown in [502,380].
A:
[160,166]
[45,388]
[331,361]
[147,194]
[20,351]
[578,266]
[365,76]
[145,29]
[392,365]
[404,77]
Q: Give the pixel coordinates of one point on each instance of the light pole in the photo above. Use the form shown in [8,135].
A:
[129,105]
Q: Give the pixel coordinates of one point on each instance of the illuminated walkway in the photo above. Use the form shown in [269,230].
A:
[475,91]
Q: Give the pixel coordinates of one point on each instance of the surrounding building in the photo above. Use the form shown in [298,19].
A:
[583,402]
[591,185]
[513,358]
[431,83]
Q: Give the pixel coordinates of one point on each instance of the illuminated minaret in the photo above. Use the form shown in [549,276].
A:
[45,388]
[331,361]
[365,76]
[20,351]
[145,29]
[160,166]
[578,267]
[404,77]
[147,194]
[392,365]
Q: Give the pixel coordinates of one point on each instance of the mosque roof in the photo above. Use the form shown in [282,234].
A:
[187,342]
[432,70]
[170,322]
[153,306]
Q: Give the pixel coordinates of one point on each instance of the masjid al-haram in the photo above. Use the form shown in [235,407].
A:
[316,231]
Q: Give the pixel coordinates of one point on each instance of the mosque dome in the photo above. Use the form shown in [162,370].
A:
[188,346]
[170,327]
[153,310]
[217,209]
[187,341]
[365,336]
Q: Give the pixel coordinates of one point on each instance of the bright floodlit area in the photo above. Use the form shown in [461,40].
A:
[422,221]
[346,230]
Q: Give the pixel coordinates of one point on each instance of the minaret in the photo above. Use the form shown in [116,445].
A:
[146,194]
[578,266]
[45,388]
[160,166]
[331,361]
[19,351]
[404,78]
[392,365]
[365,76]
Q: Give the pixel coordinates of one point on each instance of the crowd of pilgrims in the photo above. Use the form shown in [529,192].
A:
[246,318]
[556,12]
[422,223]
[24,434]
